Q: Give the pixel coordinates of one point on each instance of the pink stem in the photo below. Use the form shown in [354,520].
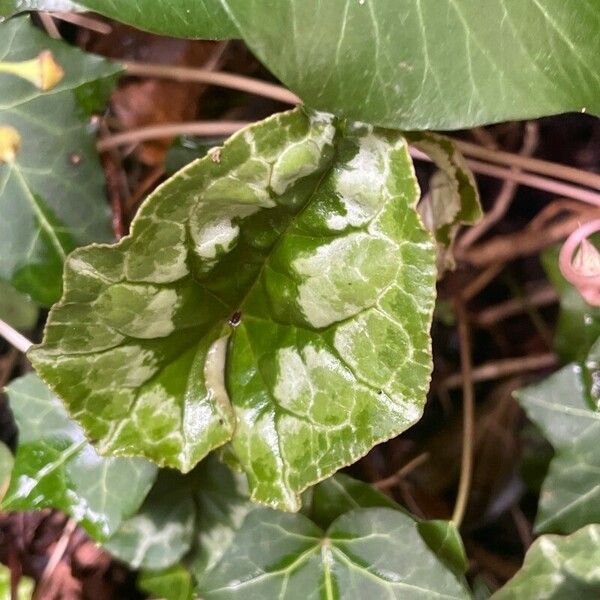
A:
[587,285]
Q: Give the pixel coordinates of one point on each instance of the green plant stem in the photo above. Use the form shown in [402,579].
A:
[466,467]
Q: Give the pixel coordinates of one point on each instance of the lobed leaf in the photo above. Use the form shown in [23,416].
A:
[52,194]
[558,568]
[55,467]
[276,294]
[564,406]
[374,552]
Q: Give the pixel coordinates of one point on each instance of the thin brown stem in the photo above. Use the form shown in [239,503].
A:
[398,476]
[83,22]
[466,465]
[49,25]
[533,165]
[537,182]
[505,248]
[505,367]
[506,195]
[219,78]
[515,306]
[153,132]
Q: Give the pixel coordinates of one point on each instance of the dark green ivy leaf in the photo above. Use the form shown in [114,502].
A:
[276,294]
[558,568]
[561,407]
[55,466]
[52,195]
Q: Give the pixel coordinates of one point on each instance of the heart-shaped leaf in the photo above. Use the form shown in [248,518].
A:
[52,190]
[55,467]
[558,568]
[562,407]
[277,293]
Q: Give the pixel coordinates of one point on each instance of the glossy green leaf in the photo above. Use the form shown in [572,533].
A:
[185,18]
[578,324]
[278,295]
[16,309]
[444,539]
[365,553]
[429,64]
[25,586]
[52,196]
[560,406]
[558,568]
[162,530]
[171,584]
[453,198]
[408,64]
[55,466]
[200,511]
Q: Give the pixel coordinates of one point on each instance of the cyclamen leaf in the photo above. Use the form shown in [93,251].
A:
[277,294]
[55,467]
[560,406]
[52,196]
[365,553]
[453,198]
[185,18]
[558,568]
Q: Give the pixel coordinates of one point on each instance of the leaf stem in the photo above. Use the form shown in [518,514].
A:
[466,467]
[219,78]
[13,337]
[153,132]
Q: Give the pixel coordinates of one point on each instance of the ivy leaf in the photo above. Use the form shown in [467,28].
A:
[396,65]
[560,406]
[558,567]
[200,510]
[55,467]
[277,294]
[373,552]
[162,531]
[184,18]
[16,309]
[578,324]
[52,194]
[171,584]
[453,198]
